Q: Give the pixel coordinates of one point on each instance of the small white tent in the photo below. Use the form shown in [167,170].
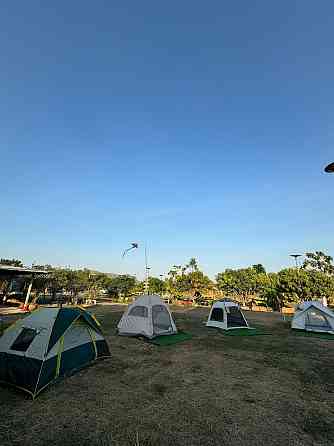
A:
[227,315]
[148,316]
[313,316]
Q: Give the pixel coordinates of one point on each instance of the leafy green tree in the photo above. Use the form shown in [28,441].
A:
[179,282]
[122,285]
[192,264]
[259,268]
[173,272]
[199,282]
[320,285]
[195,282]
[171,281]
[139,288]
[268,292]
[318,261]
[82,279]
[156,285]
[242,284]
[295,285]
[58,281]
[176,284]
[227,281]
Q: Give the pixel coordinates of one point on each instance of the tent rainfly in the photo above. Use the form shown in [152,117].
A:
[313,316]
[227,315]
[147,316]
[48,344]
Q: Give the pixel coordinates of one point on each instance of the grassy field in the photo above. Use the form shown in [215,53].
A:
[211,390]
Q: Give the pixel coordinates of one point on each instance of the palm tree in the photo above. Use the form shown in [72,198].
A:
[193,264]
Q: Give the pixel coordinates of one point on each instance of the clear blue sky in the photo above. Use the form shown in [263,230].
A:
[200,127]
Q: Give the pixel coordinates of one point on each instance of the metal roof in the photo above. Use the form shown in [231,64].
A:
[8,270]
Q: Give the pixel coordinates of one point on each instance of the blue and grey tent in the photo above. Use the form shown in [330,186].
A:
[48,344]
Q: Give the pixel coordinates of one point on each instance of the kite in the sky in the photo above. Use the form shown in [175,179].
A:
[133,246]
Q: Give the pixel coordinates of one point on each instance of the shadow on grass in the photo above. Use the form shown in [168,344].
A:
[319,425]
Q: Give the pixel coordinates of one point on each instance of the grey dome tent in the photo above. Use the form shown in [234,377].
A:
[313,316]
[48,344]
[147,316]
[227,315]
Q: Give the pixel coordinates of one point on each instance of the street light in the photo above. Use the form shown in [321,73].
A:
[329,168]
[296,256]
[147,268]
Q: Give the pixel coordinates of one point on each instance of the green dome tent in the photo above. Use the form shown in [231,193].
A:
[48,344]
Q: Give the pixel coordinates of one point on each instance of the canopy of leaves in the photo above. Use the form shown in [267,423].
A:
[318,261]
[313,281]
[187,280]
[241,283]
[156,285]
[290,285]
[295,285]
[122,285]
[259,268]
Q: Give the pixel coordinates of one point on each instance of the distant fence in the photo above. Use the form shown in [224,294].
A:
[285,310]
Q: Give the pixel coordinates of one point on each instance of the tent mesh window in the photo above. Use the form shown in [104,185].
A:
[217,315]
[139,311]
[24,339]
[235,318]
[161,319]
[316,320]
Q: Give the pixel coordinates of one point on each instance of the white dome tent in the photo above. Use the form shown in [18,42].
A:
[313,316]
[227,315]
[147,316]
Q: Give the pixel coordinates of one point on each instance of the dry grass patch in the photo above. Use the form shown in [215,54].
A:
[212,390]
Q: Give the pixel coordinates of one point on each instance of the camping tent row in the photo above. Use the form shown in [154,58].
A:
[53,342]
[149,316]
[48,344]
[309,316]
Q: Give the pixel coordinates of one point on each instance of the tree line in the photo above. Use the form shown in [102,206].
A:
[252,285]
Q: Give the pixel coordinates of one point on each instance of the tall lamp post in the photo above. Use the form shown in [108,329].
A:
[328,169]
[296,256]
[147,277]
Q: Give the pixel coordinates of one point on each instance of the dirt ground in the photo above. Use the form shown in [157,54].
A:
[212,390]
